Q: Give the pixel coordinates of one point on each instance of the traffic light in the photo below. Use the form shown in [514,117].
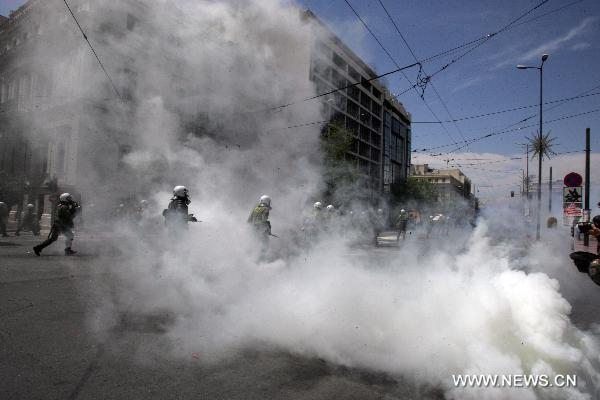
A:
[512,193]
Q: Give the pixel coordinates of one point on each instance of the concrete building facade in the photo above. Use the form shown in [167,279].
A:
[378,122]
[451,184]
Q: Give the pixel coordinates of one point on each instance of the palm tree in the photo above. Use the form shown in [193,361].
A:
[542,145]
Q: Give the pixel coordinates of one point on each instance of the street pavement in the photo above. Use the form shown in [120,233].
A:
[47,351]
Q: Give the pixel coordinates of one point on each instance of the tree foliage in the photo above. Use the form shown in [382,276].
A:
[542,145]
[414,189]
[340,175]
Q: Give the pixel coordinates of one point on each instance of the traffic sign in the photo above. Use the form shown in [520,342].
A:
[573,179]
[572,194]
[572,210]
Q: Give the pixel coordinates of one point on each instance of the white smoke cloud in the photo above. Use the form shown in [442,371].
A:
[433,309]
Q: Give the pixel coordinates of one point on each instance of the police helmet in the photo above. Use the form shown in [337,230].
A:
[265,200]
[180,191]
[65,197]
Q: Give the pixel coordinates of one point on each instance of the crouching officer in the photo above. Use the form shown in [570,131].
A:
[29,221]
[63,223]
[259,219]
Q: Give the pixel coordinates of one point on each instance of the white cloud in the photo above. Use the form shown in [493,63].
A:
[581,46]
[558,43]
[551,46]
[468,83]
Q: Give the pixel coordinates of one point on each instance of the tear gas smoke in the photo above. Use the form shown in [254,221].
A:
[431,310]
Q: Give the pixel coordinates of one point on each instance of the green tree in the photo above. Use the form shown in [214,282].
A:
[542,145]
[415,189]
[339,174]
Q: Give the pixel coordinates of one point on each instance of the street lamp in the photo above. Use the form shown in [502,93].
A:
[540,152]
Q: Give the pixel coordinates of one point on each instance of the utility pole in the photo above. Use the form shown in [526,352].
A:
[550,193]
[540,140]
[527,173]
[586,210]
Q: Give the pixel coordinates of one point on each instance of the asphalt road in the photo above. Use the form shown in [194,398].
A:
[47,352]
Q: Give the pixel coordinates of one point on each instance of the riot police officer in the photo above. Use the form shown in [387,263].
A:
[176,214]
[63,224]
[259,220]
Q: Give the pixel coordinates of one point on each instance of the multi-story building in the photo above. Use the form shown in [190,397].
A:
[50,135]
[451,184]
[378,122]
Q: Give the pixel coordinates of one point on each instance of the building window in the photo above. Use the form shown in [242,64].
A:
[365,100]
[322,49]
[376,93]
[352,126]
[339,61]
[376,108]
[353,92]
[365,117]
[376,123]
[365,134]
[375,139]
[352,108]
[365,83]
[355,76]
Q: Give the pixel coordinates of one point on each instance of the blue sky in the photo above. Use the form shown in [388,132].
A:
[485,80]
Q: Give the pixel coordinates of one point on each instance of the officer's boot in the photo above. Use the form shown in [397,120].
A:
[69,251]
[38,249]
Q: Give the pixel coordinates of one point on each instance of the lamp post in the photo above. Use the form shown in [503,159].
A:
[540,150]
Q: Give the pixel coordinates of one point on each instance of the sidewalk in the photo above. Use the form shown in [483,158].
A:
[577,245]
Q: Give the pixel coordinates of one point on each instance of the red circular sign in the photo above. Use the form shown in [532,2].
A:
[573,179]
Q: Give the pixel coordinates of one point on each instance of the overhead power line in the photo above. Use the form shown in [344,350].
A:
[396,63]
[426,81]
[401,68]
[564,100]
[93,51]
[478,44]
[476,139]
